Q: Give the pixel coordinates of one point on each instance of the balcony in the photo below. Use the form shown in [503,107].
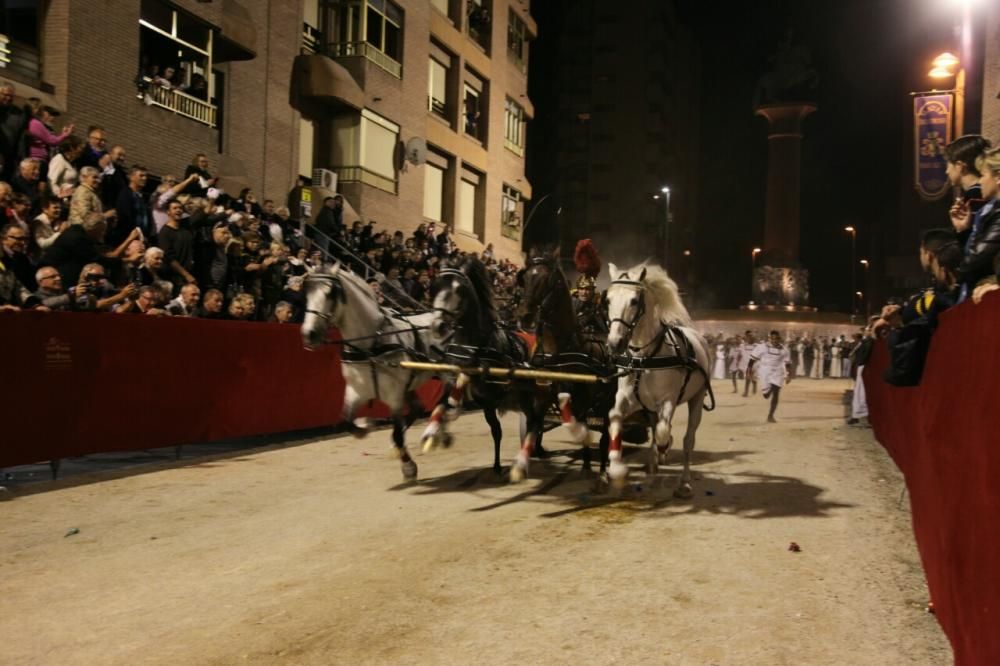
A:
[359,174]
[365,50]
[180,103]
[19,61]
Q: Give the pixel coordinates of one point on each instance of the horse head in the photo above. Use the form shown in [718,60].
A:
[542,281]
[325,299]
[626,305]
[463,301]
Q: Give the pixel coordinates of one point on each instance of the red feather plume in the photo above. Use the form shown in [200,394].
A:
[587,261]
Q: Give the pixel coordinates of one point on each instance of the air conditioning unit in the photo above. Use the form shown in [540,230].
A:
[325,179]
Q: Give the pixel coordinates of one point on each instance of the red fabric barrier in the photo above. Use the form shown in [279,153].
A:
[79,383]
[943,437]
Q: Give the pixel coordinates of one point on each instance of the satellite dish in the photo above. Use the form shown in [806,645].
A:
[416,150]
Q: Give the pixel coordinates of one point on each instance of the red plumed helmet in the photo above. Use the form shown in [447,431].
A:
[587,261]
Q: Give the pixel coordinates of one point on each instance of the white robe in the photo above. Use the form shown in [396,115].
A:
[719,371]
[800,369]
[835,365]
[771,363]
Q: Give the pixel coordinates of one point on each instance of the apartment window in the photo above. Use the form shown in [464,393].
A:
[517,33]
[365,149]
[20,41]
[479,20]
[433,192]
[441,6]
[384,28]
[510,215]
[513,129]
[368,28]
[175,56]
[469,191]
[438,100]
[475,106]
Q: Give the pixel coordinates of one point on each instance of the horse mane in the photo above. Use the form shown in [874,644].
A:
[479,278]
[666,297]
[357,281]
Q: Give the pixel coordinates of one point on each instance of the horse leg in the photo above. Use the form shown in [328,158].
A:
[617,470]
[534,417]
[603,449]
[351,403]
[659,444]
[491,419]
[398,441]
[695,406]
[537,450]
[577,430]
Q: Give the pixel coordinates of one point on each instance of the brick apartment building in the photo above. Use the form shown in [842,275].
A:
[420,108]
[366,86]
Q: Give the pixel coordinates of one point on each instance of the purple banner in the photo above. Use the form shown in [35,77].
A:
[931,133]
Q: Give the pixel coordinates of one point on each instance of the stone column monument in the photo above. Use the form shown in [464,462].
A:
[785,96]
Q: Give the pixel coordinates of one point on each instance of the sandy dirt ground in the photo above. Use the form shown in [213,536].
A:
[317,554]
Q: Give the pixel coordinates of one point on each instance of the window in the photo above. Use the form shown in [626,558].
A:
[365,149]
[475,106]
[479,20]
[384,28]
[439,101]
[433,192]
[369,28]
[175,56]
[378,144]
[513,129]
[469,204]
[441,6]
[516,37]
[510,215]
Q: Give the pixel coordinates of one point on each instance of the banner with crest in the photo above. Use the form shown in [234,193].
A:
[932,132]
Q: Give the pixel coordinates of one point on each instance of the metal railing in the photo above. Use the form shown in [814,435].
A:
[180,103]
[365,50]
[359,174]
[403,301]
[311,39]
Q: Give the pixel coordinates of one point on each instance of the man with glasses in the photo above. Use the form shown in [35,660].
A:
[95,152]
[50,291]
[15,255]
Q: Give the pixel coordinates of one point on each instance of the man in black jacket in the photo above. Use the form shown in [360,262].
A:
[133,211]
[14,256]
[983,242]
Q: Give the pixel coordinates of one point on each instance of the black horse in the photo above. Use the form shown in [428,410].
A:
[547,307]
[467,324]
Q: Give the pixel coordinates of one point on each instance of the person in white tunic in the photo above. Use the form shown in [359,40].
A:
[735,347]
[719,371]
[750,377]
[773,364]
[835,359]
[800,371]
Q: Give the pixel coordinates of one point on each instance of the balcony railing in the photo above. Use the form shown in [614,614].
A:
[180,103]
[311,39]
[359,174]
[19,59]
[365,50]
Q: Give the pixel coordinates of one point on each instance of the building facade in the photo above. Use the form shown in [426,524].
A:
[623,96]
[95,60]
[420,108]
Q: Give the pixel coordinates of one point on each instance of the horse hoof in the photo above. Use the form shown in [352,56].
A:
[683,492]
[447,440]
[359,433]
[409,470]
[429,444]
[577,431]
[617,471]
[518,474]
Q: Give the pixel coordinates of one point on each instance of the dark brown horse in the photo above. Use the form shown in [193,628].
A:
[547,309]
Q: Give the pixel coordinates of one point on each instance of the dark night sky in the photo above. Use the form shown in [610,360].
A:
[855,166]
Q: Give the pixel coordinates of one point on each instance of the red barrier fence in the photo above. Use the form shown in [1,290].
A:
[943,436]
[79,383]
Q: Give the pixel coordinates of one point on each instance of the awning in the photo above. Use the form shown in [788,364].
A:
[238,39]
[319,82]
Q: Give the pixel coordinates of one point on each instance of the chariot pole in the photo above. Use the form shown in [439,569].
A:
[505,373]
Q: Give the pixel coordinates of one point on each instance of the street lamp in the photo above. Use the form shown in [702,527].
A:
[944,67]
[865,266]
[666,226]
[753,269]
[854,260]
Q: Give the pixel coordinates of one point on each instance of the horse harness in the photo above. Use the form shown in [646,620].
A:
[684,358]
[352,353]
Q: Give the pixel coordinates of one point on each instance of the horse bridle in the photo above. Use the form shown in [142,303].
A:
[461,277]
[542,305]
[335,282]
[640,311]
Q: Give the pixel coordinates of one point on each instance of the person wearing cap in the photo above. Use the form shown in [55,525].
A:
[41,137]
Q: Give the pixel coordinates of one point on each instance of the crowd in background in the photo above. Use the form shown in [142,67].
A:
[82,229]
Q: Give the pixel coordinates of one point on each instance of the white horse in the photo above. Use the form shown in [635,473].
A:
[376,339]
[670,364]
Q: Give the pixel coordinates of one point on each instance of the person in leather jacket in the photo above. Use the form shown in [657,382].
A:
[983,243]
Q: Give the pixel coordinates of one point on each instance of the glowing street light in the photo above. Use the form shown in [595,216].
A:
[753,268]
[666,227]
[854,262]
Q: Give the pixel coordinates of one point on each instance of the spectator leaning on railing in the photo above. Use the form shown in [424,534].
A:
[983,227]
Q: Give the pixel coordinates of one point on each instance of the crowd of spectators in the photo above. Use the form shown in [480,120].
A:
[81,229]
